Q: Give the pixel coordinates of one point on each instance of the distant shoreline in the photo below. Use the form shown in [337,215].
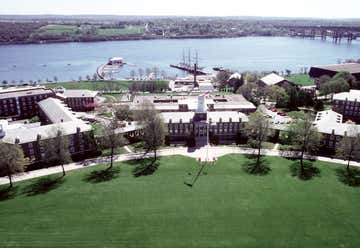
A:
[134,39]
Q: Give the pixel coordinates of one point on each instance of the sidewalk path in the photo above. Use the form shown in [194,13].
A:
[204,153]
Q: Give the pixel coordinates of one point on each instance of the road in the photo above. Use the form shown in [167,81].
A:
[202,154]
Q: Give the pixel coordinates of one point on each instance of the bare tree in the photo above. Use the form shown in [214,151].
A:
[154,129]
[349,147]
[12,160]
[57,149]
[111,139]
[304,137]
[258,129]
[141,73]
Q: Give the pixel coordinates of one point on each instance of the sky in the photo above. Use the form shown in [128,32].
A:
[272,8]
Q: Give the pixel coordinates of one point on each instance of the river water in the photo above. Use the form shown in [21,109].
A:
[68,61]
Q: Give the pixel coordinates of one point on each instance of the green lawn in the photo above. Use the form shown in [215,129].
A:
[121,31]
[93,85]
[225,208]
[301,79]
[56,29]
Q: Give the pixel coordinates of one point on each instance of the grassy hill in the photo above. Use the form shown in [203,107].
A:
[225,208]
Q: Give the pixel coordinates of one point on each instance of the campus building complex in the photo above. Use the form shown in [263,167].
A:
[21,103]
[55,116]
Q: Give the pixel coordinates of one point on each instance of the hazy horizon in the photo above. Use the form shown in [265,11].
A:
[315,9]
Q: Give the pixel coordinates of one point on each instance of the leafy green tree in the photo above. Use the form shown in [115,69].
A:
[123,113]
[334,86]
[349,146]
[304,137]
[11,160]
[278,95]
[258,130]
[349,78]
[4,82]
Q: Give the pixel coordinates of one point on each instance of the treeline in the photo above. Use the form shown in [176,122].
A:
[149,86]
[17,32]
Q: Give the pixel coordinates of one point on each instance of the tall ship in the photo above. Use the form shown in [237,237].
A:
[189,65]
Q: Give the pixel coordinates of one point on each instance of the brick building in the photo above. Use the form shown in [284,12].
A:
[347,104]
[21,103]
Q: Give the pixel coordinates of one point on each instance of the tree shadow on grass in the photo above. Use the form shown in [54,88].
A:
[252,167]
[7,193]
[100,176]
[308,172]
[145,167]
[43,185]
[352,179]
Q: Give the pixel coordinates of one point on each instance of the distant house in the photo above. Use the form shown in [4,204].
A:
[274,79]
[331,70]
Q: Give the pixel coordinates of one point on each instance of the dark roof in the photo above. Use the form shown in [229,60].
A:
[349,67]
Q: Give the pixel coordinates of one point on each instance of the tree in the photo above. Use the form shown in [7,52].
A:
[111,139]
[123,113]
[349,146]
[288,72]
[323,79]
[95,77]
[141,73]
[249,90]
[88,78]
[132,74]
[154,129]
[334,86]
[12,160]
[4,82]
[55,79]
[57,149]
[222,78]
[278,95]
[304,137]
[348,77]
[258,130]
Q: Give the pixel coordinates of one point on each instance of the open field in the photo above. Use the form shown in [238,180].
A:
[58,29]
[123,31]
[225,208]
[93,85]
[301,79]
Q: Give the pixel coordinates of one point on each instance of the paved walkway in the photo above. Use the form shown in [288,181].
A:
[203,154]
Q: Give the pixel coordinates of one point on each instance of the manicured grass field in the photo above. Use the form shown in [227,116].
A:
[58,29]
[93,85]
[301,79]
[121,31]
[225,208]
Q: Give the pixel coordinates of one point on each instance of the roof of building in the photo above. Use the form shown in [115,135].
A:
[56,111]
[330,122]
[23,91]
[77,93]
[27,135]
[353,95]
[215,116]
[235,75]
[348,67]
[166,103]
[272,79]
